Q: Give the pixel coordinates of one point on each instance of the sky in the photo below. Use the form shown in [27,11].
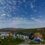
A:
[22,13]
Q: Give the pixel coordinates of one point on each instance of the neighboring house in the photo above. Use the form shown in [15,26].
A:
[7,34]
[23,36]
[3,35]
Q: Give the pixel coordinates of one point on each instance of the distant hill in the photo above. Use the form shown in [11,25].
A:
[22,30]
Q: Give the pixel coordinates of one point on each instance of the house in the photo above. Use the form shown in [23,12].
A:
[3,35]
[7,33]
[23,36]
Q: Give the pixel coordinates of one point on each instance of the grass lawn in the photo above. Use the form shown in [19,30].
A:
[34,42]
[11,41]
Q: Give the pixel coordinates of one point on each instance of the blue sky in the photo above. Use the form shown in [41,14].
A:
[22,13]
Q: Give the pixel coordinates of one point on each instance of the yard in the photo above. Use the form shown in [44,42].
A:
[17,41]
[10,41]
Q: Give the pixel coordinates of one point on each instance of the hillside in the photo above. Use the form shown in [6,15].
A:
[23,30]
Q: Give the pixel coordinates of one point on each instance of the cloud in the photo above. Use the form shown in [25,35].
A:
[3,15]
[20,22]
[24,0]
[24,23]
[32,6]
[37,20]
[40,21]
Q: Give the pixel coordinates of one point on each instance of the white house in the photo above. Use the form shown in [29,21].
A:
[24,37]
[3,35]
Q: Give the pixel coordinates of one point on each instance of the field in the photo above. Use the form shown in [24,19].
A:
[17,41]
